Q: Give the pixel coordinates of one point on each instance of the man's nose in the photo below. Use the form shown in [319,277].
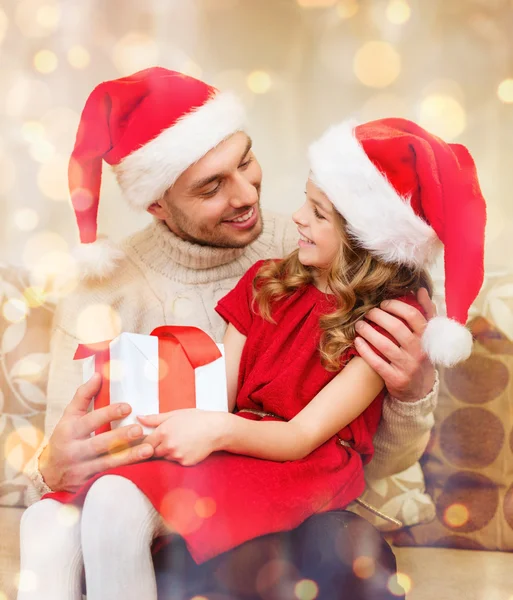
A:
[244,193]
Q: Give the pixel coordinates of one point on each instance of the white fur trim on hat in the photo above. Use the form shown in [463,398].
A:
[98,259]
[377,216]
[148,172]
[446,341]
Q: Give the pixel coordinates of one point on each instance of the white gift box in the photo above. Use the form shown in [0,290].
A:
[135,376]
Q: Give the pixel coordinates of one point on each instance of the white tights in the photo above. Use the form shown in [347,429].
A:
[111,538]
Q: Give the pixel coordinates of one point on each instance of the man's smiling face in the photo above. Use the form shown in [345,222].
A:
[216,201]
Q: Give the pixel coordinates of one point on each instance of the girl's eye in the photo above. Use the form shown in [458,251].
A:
[318,214]
[246,164]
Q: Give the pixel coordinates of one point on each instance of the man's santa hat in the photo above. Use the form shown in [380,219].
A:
[403,192]
[150,126]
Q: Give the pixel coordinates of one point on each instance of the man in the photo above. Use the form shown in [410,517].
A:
[180,152]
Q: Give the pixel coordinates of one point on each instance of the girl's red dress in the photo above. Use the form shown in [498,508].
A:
[228,499]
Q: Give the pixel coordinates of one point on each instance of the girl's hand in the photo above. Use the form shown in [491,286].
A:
[186,436]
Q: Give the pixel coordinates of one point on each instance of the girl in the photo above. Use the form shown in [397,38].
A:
[307,407]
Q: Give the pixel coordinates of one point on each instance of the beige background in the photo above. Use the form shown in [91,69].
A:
[439,61]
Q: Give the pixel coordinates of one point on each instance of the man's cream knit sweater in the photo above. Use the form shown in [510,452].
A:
[165,280]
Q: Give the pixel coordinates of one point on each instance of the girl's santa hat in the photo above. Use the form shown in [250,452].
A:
[403,192]
[150,126]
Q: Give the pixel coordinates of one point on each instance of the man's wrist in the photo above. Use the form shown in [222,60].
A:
[424,405]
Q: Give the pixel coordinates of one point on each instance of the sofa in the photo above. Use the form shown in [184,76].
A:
[447,547]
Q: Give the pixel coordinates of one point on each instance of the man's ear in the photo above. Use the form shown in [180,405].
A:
[157,209]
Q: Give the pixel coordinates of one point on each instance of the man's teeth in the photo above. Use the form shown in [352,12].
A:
[305,239]
[245,217]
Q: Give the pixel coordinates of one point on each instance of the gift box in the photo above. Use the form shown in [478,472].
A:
[172,368]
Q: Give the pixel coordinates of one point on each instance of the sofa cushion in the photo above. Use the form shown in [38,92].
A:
[25,321]
[469,462]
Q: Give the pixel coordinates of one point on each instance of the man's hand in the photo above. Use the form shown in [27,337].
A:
[73,455]
[185,436]
[409,376]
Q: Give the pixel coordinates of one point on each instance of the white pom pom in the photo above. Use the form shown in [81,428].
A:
[98,260]
[446,341]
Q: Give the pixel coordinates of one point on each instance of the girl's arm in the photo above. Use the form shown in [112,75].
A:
[233,345]
[334,407]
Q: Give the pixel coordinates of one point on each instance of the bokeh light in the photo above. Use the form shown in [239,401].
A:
[52,178]
[98,322]
[383,105]
[398,11]
[306,589]
[78,57]
[26,219]
[443,115]
[205,507]
[364,567]
[61,124]
[37,18]
[259,82]
[27,97]
[377,64]
[316,3]
[68,515]
[456,515]
[45,61]
[399,584]
[15,310]
[114,370]
[347,8]
[134,52]
[49,16]
[3,596]
[26,581]
[505,91]
[34,296]
[178,512]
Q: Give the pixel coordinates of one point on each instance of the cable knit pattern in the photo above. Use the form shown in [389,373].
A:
[164,280]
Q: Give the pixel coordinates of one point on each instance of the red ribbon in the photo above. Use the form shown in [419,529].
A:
[180,350]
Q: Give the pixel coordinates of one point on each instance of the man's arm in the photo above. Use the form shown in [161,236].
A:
[411,381]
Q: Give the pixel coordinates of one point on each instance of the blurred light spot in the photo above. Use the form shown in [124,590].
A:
[237,81]
[45,61]
[271,573]
[7,175]
[26,219]
[78,57]
[445,87]
[3,596]
[68,515]
[505,91]
[49,16]
[178,512]
[81,199]
[98,322]
[205,507]
[42,243]
[27,581]
[32,131]
[443,115]
[316,3]
[115,370]
[399,584]
[134,52]
[15,310]
[259,82]
[52,178]
[4,23]
[34,296]
[199,598]
[29,98]
[364,567]
[347,8]
[192,69]
[61,124]
[398,11]
[306,589]
[456,515]
[377,64]
[56,272]
[150,371]
[42,151]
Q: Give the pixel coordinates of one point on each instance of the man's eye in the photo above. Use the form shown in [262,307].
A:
[211,192]
[318,214]
[246,163]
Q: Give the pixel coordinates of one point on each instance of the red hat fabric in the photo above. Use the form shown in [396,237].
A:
[404,192]
[150,126]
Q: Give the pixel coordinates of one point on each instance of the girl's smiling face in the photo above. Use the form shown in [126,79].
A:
[320,238]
